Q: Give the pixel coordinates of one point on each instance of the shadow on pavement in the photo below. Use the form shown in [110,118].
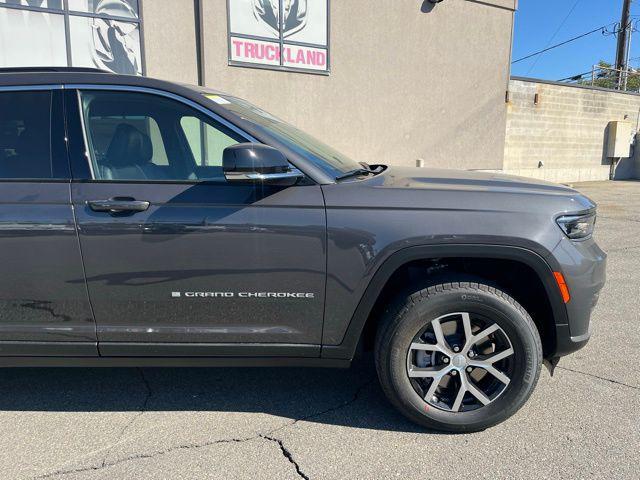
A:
[349,397]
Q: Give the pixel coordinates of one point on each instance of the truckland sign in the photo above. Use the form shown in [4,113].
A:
[279,34]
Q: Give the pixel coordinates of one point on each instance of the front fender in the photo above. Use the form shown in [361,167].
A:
[541,261]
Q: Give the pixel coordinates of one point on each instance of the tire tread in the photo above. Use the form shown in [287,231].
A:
[404,303]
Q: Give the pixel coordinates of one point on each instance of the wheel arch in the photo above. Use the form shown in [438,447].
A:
[541,264]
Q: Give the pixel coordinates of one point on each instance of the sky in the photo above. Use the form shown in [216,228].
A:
[537,21]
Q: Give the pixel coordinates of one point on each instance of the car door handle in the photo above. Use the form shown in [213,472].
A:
[118,205]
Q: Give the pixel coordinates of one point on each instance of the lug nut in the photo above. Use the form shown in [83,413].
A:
[472,354]
[469,369]
[456,348]
[445,359]
[453,373]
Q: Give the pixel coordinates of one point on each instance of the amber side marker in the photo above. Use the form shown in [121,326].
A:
[562,285]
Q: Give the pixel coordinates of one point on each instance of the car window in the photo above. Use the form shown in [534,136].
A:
[103,128]
[140,136]
[206,143]
[25,135]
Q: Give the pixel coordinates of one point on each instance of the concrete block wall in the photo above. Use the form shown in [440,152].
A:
[561,137]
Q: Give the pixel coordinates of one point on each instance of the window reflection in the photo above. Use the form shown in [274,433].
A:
[104,40]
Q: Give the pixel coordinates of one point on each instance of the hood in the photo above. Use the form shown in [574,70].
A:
[441,189]
[463,180]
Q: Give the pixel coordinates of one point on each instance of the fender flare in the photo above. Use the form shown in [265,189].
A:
[543,264]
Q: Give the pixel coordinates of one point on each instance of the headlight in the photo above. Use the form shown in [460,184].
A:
[577,227]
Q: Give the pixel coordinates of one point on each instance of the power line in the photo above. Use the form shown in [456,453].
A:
[555,34]
[576,77]
[602,29]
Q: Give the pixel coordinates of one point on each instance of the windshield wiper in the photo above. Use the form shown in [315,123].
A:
[355,173]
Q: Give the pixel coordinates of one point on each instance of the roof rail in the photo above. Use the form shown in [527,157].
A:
[52,69]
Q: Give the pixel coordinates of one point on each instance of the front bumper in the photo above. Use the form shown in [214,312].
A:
[583,265]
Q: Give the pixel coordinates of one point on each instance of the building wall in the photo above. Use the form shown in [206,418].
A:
[170,40]
[408,80]
[566,130]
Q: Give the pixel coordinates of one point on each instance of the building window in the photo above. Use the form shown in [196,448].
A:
[102,34]
[291,35]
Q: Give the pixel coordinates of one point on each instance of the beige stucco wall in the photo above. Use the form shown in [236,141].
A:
[407,81]
[566,131]
[170,39]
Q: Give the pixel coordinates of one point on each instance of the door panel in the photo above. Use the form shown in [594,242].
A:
[205,263]
[42,290]
[44,306]
[194,259]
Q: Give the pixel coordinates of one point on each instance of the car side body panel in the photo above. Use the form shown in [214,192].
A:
[371,221]
[42,290]
[362,229]
[44,306]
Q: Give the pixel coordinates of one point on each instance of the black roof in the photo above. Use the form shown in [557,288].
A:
[52,69]
[34,76]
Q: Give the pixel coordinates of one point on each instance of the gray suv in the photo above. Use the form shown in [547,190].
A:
[145,223]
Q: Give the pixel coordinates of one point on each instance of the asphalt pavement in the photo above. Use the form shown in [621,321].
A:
[584,422]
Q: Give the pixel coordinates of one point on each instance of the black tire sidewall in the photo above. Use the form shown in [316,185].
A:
[509,316]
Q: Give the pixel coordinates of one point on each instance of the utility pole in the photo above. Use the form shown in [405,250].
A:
[624,35]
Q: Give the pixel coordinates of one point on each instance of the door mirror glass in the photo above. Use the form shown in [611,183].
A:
[254,162]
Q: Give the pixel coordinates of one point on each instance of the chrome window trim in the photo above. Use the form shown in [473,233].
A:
[27,88]
[164,93]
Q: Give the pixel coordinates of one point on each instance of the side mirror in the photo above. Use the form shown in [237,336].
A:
[255,162]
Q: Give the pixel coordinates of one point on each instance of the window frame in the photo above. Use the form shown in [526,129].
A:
[86,174]
[57,135]
[66,13]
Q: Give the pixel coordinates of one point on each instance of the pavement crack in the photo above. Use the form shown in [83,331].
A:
[354,398]
[287,454]
[622,249]
[141,410]
[599,377]
[267,436]
[620,219]
[142,456]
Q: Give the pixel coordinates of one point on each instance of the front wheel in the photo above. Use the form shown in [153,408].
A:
[458,357]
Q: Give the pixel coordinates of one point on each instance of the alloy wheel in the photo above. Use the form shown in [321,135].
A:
[460,362]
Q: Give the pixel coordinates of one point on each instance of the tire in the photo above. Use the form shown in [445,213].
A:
[403,348]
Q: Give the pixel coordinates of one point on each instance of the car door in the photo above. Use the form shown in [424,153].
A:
[44,306]
[178,261]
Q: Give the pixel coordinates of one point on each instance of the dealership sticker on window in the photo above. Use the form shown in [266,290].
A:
[279,34]
[218,99]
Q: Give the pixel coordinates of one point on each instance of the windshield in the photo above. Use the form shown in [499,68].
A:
[332,162]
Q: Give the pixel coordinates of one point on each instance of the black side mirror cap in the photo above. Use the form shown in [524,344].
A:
[255,162]
[253,157]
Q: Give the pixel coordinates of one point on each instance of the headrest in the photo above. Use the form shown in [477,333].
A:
[129,146]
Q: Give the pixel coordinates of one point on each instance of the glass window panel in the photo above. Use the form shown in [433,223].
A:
[105,44]
[306,22]
[102,130]
[30,38]
[138,136]
[206,142]
[25,135]
[255,17]
[115,8]
[57,4]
